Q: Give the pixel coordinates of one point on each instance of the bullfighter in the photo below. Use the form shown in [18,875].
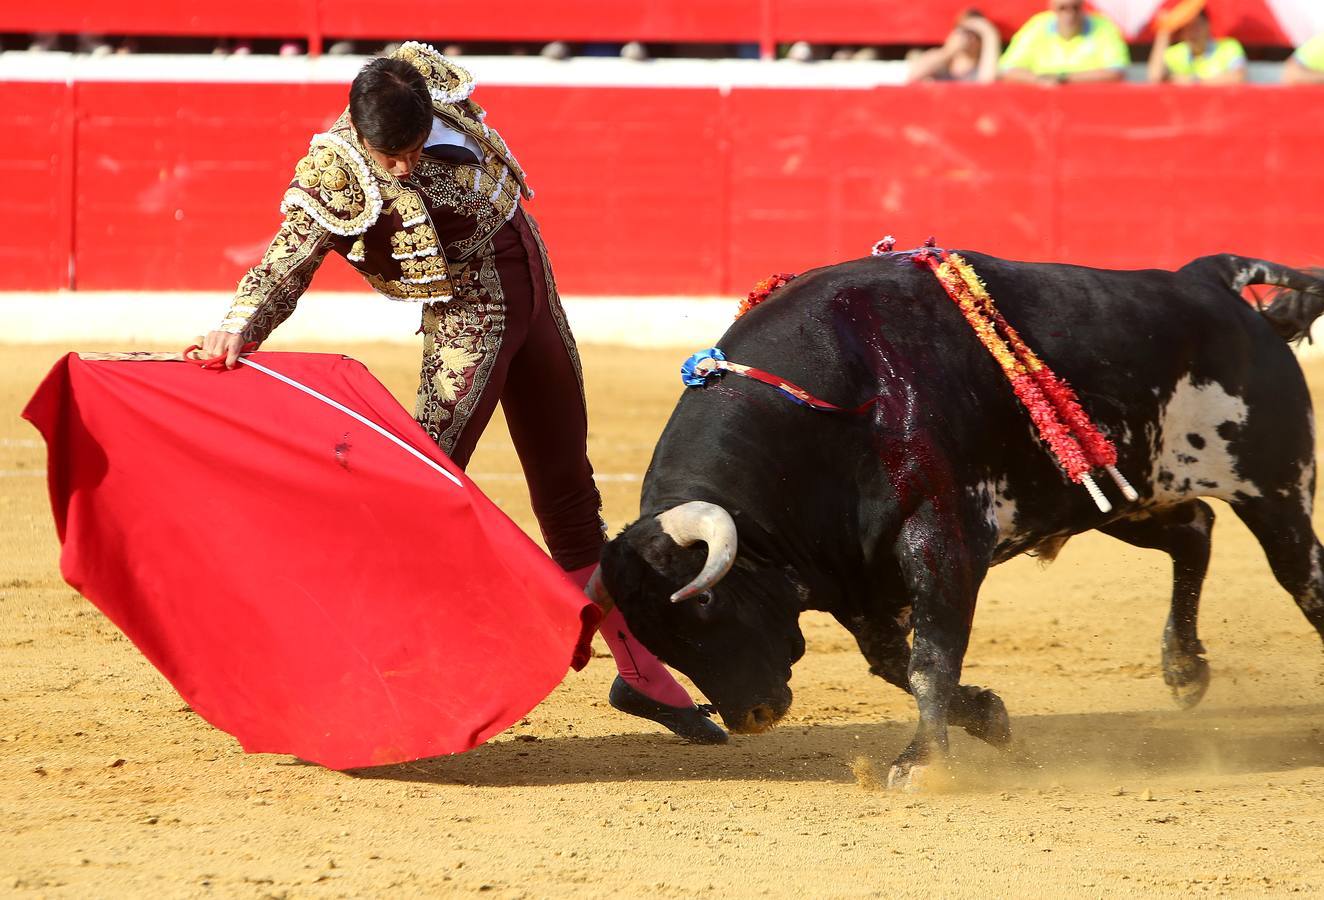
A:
[425,200]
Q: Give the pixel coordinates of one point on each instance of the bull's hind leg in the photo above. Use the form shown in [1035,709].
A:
[1282,526]
[1181,531]
[978,710]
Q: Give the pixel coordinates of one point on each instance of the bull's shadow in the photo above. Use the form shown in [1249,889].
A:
[1049,749]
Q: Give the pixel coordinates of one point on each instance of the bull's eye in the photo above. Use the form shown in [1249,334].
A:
[704,598]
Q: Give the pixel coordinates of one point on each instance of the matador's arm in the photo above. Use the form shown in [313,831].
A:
[270,290]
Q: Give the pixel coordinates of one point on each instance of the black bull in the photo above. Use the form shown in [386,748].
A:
[890,520]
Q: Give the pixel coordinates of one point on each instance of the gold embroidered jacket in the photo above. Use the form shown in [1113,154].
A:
[409,239]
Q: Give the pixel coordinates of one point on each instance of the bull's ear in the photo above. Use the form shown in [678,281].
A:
[651,546]
[660,551]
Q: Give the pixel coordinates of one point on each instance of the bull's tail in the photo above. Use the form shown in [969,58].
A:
[1295,304]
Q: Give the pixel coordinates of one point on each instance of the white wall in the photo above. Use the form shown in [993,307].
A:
[173,320]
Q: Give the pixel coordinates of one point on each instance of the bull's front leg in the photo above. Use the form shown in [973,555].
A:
[943,578]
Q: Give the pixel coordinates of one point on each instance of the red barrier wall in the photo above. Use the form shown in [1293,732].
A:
[685,191]
[233,18]
[717,21]
[178,184]
[36,203]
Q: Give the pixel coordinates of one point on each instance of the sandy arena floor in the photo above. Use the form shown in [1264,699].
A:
[110,787]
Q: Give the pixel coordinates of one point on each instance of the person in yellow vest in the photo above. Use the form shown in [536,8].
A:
[1066,45]
[1306,65]
[1199,58]
[423,198]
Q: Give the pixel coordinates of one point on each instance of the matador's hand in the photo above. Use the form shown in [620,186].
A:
[223,343]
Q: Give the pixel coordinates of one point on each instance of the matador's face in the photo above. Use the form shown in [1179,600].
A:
[399,163]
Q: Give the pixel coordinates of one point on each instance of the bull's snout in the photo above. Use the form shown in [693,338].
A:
[755,721]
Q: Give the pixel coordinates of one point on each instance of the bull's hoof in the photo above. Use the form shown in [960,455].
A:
[910,771]
[692,724]
[1187,674]
[908,778]
[989,722]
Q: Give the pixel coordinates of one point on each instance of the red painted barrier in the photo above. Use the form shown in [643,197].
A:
[685,191]
[233,18]
[537,20]
[36,172]
[1122,176]
[179,184]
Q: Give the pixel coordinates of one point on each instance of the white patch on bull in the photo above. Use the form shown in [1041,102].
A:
[999,508]
[1123,437]
[1193,458]
[1000,513]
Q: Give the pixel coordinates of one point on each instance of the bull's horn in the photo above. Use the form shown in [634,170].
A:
[697,521]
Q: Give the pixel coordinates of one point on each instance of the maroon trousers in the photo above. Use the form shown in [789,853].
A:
[504,338]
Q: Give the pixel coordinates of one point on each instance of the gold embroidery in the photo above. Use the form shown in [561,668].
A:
[412,57]
[269,291]
[456,333]
[397,290]
[334,179]
[423,270]
[452,187]
[306,173]
[461,342]
[332,183]
[419,241]
[409,206]
[447,82]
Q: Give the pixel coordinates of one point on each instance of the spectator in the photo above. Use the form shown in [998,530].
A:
[1306,65]
[558,50]
[800,51]
[44,42]
[970,53]
[635,51]
[94,45]
[1065,45]
[1198,59]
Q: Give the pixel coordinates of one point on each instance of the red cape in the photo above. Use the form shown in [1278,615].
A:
[305,584]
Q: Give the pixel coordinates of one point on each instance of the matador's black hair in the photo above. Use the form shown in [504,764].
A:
[390,105]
